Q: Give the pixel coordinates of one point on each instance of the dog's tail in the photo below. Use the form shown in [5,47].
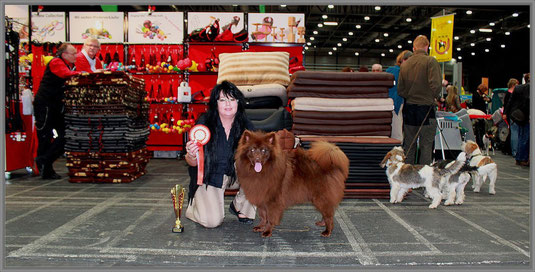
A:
[328,155]
[455,166]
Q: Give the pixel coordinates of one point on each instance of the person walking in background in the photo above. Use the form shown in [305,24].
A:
[397,116]
[480,99]
[453,102]
[49,110]
[377,67]
[513,127]
[420,83]
[86,59]
[518,111]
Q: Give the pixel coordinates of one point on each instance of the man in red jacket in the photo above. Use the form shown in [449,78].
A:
[86,60]
[49,109]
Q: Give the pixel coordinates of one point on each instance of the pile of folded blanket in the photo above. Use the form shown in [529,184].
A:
[352,110]
[107,127]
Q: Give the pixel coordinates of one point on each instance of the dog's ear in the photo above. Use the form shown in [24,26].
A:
[387,156]
[246,136]
[271,137]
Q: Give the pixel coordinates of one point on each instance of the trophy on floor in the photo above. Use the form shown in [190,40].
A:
[177,195]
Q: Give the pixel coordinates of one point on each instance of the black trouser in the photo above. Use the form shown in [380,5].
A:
[48,118]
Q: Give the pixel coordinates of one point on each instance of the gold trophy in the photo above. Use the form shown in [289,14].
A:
[177,195]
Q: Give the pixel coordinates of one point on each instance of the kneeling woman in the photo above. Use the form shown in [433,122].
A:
[226,120]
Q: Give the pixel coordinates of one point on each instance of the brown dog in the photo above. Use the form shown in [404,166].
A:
[274,180]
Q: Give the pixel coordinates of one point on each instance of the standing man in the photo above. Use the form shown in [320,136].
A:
[420,83]
[86,60]
[49,109]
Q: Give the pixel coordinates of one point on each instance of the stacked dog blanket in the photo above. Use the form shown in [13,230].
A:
[353,111]
[262,77]
[341,103]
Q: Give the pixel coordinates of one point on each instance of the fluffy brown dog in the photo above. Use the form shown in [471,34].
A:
[274,180]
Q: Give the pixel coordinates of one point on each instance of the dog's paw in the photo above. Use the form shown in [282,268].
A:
[476,190]
[320,223]
[433,206]
[447,203]
[326,233]
[258,228]
[266,233]
[492,192]
[459,202]
[392,201]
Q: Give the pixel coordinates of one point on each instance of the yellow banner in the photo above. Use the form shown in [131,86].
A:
[441,37]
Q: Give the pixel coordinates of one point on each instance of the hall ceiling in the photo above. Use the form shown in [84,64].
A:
[389,19]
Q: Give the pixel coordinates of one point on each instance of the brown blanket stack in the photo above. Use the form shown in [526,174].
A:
[106,118]
[353,111]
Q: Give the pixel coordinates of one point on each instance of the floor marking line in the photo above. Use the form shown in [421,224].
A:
[489,233]
[56,233]
[33,188]
[356,241]
[415,233]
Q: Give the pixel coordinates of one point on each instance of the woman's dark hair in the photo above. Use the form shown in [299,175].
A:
[212,118]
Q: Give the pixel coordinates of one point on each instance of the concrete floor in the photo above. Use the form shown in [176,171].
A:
[53,224]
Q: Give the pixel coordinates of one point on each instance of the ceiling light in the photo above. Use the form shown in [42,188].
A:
[489,39]
[283,6]
[350,33]
[306,47]
[339,44]
[529,25]
[330,6]
[472,44]
[312,38]
[309,43]
[515,14]
[334,48]
[324,16]
[409,41]
[344,39]
[507,33]
[376,40]
[391,50]
[382,54]
[492,24]
[468,12]
[472,31]
[357,26]
[408,20]
[456,38]
[320,25]
[357,53]
[459,57]
[400,46]
[330,23]
[486,50]
[503,45]
[458,49]
[485,30]
[377,8]
[366,18]
[386,34]
[315,32]
[473,54]
[330,53]
[186,20]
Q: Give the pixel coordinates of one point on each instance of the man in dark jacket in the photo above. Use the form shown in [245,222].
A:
[49,110]
[518,111]
[420,83]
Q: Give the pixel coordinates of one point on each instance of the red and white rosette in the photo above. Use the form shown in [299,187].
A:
[201,135]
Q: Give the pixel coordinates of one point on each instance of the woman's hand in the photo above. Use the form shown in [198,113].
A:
[192,149]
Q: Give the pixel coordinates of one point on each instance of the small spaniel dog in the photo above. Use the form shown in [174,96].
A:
[453,185]
[476,158]
[488,143]
[403,176]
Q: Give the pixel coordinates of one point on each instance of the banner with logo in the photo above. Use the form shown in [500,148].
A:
[441,37]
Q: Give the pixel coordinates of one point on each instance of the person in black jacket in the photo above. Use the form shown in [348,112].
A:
[518,111]
[49,109]
[479,101]
[226,120]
